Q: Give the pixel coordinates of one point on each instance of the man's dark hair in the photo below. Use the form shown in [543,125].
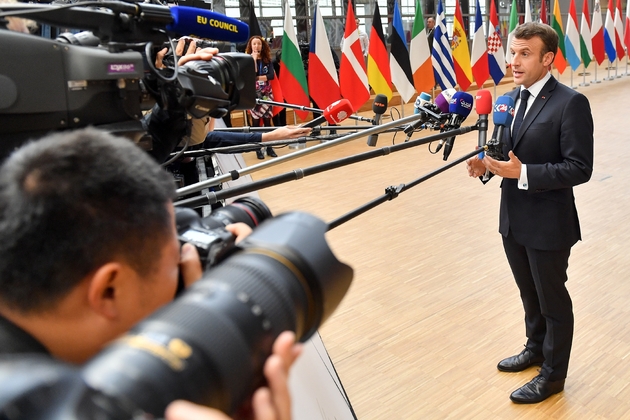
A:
[70,203]
[547,35]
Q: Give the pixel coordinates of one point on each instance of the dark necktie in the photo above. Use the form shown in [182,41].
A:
[521,113]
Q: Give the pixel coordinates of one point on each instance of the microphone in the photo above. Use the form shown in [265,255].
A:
[333,114]
[444,99]
[483,106]
[379,106]
[460,107]
[502,115]
[428,110]
[207,24]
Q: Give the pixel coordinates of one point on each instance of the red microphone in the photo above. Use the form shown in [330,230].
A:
[483,106]
[333,114]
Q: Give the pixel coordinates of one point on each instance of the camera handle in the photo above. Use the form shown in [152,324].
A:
[215,196]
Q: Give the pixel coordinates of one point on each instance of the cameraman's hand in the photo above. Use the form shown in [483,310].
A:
[186,54]
[239,230]
[189,264]
[286,132]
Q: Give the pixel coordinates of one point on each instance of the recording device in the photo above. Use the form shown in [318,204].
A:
[379,106]
[208,346]
[52,85]
[208,234]
[333,114]
[502,115]
[432,115]
[483,106]
[443,100]
[460,106]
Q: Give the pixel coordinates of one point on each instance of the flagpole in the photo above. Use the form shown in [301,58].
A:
[609,64]
[616,68]
[584,78]
[572,87]
[595,80]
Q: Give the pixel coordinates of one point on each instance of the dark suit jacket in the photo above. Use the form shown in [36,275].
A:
[556,143]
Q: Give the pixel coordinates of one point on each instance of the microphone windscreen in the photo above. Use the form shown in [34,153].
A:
[503,113]
[483,102]
[461,104]
[442,102]
[338,111]
[207,24]
[380,104]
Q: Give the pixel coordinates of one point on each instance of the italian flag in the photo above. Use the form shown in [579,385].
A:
[292,76]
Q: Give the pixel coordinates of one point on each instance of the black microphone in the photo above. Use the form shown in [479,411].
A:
[379,107]
[428,110]
[460,106]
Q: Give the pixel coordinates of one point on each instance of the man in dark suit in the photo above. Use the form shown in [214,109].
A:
[547,152]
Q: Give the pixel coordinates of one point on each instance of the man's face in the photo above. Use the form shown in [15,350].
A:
[528,66]
[430,23]
[158,286]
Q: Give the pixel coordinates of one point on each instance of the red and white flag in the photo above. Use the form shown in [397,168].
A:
[353,80]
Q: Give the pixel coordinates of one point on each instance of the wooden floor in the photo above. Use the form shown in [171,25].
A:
[433,306]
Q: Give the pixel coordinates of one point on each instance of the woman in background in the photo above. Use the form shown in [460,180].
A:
[259,49]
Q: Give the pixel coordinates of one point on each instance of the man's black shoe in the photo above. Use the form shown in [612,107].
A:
[260,154]
[521,361]
[271,152]
[537,390]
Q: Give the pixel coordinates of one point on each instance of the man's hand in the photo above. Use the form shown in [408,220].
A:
[475,167]
[239,230]
[273,403]
[509,169]
[186,54]
[286,132]
[189,264]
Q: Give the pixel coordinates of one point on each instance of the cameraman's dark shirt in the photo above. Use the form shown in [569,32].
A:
[14,340]
[216,139]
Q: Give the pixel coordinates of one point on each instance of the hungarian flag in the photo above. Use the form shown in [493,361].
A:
[513,26]
[586,45]
[619,31]
[597,34]
[420,54]
[353,81]
[378,72]
[556,23]
[399,63]
[292,76]
[479,54]
[323,83]
[461,54]
[572,38]
[496,55]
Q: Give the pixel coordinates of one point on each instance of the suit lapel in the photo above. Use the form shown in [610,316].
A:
[537,106]
[508,138]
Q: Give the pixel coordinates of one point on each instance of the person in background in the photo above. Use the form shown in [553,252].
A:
[259,49]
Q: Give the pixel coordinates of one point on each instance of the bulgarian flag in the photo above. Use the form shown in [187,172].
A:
[292,76]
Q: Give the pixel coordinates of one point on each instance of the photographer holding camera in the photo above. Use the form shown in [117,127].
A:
[88,247]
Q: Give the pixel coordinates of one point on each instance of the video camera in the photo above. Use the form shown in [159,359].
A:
[54,85]
[208,346]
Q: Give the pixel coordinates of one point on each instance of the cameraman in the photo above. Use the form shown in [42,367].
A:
[168,126]
[88,248]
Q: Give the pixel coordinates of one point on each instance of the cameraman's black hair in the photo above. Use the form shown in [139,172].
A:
[70,203]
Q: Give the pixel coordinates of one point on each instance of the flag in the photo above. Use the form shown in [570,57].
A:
[572,39]
[353,81]
[597,34]
[323,83]
[461,55]
[292,76]
[479,54]
[609,33]
[528,12]
[543,12]
[556,23]
[626,35]
[379,75]
[619,31]
[513,26]
[441,57]
[254,27]
[276,89]
[399,63]
[420,54]
[586,46]
[496,55]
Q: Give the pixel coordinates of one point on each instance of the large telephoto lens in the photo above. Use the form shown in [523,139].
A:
[209,346]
